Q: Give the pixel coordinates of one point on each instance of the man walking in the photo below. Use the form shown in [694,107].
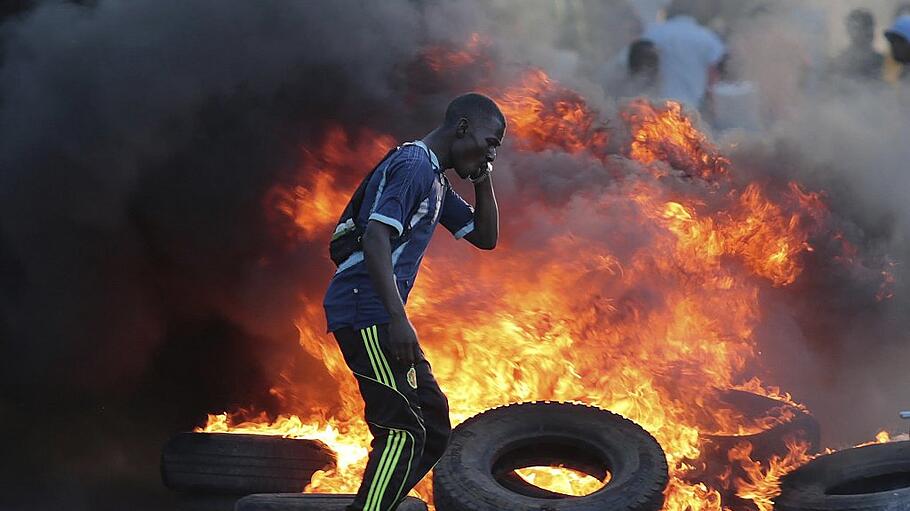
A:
[403,200]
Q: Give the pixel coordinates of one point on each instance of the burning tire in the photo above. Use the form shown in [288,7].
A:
[241,464]
[474,474]
[781,422]
[784,421]
[873,478]
[311,502]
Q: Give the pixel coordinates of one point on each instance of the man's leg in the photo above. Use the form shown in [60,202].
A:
[435,410]
[392,413]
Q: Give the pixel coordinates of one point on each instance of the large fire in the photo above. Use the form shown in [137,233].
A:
[638,297]
[544,115]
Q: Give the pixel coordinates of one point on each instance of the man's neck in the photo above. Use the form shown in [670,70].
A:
[439,141]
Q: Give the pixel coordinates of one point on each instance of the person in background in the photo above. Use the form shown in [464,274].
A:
[859,60]
[894,70]
[689,54]
[899,38]
[643,71]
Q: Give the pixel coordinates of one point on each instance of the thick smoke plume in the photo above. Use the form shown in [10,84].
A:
[140,286]
[142,283]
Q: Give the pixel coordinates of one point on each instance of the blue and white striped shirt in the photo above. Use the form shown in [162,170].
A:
[411,194]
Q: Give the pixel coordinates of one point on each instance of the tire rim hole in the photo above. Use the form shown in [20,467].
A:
[877,484]
[553,467]
[562,480]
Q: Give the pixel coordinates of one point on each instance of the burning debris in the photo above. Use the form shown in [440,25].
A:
[646,305]
[639,266]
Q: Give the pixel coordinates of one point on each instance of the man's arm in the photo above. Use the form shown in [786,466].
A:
[377,252]
[486,216]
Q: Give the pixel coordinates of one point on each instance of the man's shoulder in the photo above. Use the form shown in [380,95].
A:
[408,168]
[414,154]
[413,161]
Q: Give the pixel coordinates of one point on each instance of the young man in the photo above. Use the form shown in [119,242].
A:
[860,60]
[406,197]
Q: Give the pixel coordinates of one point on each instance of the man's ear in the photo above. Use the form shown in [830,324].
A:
[461,129]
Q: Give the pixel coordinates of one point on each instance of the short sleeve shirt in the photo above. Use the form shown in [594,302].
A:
[411,194]
[687,52]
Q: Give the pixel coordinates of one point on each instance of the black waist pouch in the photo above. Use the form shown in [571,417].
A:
[348,236]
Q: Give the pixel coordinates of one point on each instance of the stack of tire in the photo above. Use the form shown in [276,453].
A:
[714,465]
[211,471]
[477,472]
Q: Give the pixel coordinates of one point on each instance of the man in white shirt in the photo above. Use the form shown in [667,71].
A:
[689,54]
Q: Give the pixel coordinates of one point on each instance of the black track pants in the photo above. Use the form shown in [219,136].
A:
[408,416]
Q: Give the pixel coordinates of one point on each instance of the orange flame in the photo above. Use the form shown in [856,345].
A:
[753,230]
[544,115]
[562,480]
[317,201]
[445,59]
[667,135]
[762,483]
[650,325]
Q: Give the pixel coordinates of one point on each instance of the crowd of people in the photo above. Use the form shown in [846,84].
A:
[747,72]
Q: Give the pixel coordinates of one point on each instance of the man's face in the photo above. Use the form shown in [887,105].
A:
[475,145]
[900,48]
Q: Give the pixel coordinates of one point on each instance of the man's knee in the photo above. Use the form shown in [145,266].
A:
[418,434]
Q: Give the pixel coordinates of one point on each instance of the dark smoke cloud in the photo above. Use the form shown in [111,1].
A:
[830,342]
[140,287]
[138,139]
[846,357]
[141,284]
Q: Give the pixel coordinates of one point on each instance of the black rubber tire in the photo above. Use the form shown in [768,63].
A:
[772,441]
[713,466]
[872,478]
[235,464]
[577,436]
[205,502]
[311,502]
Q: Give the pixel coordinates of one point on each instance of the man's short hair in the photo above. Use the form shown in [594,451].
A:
[474,107]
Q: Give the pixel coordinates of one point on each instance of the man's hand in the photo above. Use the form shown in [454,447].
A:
[486,212]
[481,173]
[403,339]
[377,253]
